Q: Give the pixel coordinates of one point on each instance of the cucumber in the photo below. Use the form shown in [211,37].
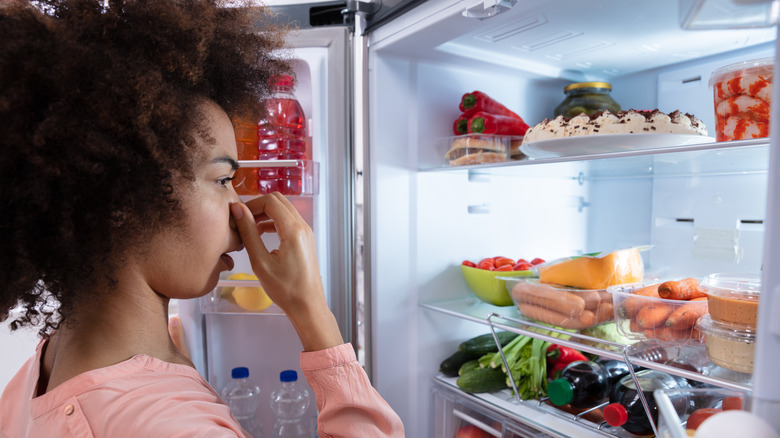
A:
[468,366]
[484,344]
[450,366]
[482,380]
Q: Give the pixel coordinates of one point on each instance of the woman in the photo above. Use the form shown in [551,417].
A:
[117,156]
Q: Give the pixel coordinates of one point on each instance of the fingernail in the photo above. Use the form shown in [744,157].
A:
[237,211]
[175,321]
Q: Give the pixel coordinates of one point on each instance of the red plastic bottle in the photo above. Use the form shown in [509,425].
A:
[626,409]
[282,136]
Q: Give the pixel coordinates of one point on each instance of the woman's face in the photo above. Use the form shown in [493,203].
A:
[185,260]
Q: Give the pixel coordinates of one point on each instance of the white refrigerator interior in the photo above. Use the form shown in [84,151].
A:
[702,209]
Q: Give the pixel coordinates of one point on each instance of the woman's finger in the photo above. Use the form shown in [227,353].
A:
[247,229]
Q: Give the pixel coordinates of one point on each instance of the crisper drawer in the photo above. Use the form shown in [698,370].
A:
[500,415]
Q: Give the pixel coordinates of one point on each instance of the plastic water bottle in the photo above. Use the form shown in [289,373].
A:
[243,397]
[290,402]
[282,136]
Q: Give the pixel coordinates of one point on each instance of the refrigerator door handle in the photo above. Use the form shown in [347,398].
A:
[488,8]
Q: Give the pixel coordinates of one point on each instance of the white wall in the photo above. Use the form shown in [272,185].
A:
[16,348]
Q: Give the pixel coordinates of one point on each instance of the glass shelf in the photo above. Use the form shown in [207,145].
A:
[217,302]
[690,362]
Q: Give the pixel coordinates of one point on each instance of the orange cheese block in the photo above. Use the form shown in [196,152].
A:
[619,267]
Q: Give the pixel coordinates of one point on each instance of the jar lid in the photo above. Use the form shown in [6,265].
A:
[761,66]
[577,85]
[733,286]
[733,332]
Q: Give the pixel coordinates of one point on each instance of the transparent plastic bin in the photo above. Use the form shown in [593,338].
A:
[697,398]
[220,300]
[733,298]
[644,318]
[310,175]
[467,149]
[561,306]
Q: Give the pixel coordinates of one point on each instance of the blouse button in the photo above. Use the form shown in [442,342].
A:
[68,409]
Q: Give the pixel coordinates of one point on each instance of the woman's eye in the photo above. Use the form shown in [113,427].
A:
[225,181]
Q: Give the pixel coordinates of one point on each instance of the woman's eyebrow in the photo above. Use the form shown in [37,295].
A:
[225,159]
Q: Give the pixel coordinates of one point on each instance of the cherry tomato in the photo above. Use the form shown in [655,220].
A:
[469,263]
[505,268]
[501,261]
[486,264]
[522,266]
[537,261]
[521,260]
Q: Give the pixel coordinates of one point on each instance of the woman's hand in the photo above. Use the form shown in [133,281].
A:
[290,274]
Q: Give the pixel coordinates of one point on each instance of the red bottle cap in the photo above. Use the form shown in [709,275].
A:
[283,80]
[615,414]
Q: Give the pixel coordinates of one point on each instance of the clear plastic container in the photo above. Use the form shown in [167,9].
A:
[462,150]
[743,97]
[732,298]
[561,306]
[243,396]
[645,317]
[289,403]
[731,346]
[704,400]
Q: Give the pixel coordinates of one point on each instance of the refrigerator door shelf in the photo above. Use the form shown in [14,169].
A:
[310,173]
[221,299]
[497,414]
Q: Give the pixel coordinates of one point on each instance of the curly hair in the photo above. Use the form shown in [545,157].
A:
[98,119]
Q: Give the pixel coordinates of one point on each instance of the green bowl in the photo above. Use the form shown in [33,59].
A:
[488,287]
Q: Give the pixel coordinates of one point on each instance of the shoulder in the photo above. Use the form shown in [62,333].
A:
[158,399]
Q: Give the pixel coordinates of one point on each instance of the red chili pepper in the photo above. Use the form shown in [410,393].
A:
[558,354]
[479,101]
[486,123]
[461,125]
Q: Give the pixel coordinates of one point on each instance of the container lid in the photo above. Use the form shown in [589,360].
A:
[577,85]
[551,285]
[288,376]
[733,286]
[734,332]
[615,414]
[560,392]
[283,80]
[762,66]
[240,373]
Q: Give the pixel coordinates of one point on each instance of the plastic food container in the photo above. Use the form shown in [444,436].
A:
[462,150]
[640,317]
[561,306]
[707,401]
[743,96]
[733,298]
[731,346]
[489,286]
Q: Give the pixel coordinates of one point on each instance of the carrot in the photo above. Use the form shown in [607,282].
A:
[586,319]
[685,316]
[668,334]
[569,304]
[653,315]
[685,289]
[632,304]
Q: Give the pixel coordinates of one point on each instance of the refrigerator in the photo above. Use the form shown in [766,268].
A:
[380,83]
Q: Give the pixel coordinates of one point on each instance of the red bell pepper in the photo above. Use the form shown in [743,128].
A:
[559,354]
[486,123]
[479,101]
[555,370]
[461,125]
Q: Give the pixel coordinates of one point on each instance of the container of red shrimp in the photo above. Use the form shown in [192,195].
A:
[743,96]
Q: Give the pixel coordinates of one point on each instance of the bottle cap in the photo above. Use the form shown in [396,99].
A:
[283,80]
[615,414]
[560,392]
[288,376]
[240,373]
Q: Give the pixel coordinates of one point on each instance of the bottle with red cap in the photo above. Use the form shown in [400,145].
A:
[584,384]
[626,409]
[282,136]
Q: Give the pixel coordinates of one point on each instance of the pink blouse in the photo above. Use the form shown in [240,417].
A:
[147,397]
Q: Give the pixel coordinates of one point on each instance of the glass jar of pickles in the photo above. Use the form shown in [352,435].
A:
[588,98]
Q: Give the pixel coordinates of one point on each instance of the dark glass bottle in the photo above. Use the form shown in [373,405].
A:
[588,98]
[582,384]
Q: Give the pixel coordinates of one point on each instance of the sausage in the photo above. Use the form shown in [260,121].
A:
[586,318]
[591,297]
[605,312]
[569,304]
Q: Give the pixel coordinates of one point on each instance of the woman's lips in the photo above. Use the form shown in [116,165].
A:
[228,261]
